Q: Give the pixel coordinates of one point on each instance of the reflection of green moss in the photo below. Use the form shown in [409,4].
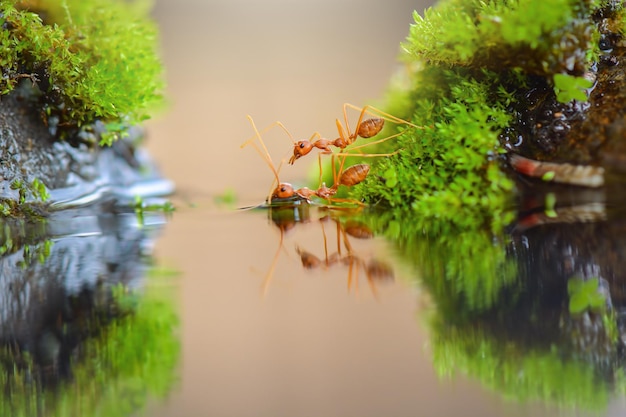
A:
[525,376]
[470,63]
[91,59]
[18,234]
[131,360]
[465,269]
[584,295]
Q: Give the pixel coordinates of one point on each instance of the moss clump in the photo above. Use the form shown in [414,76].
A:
[471,63]
[542,37]
[90,60]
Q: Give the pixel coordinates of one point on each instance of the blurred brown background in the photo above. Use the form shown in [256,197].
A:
[293,61]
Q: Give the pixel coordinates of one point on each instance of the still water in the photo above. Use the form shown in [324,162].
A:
[379,329]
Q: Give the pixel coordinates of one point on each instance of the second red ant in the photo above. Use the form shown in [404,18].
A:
[351,176]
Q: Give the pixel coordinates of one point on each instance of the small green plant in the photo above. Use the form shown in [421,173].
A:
[39,190]
[141,207]
[39,252]
[226,198]
[570,88]
[19,186]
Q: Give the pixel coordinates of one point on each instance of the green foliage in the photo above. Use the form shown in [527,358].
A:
[570,88]
[36,190]
[542,37]
[468,63]
[465,269]
[450,170]
[93,59]
[584,295]
[39,252]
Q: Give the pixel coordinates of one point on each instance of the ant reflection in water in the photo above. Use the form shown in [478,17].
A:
[287,218]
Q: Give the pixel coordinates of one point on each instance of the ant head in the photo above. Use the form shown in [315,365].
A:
[300,148]
[284,190]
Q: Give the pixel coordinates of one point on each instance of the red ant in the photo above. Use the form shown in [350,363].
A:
[351,176]
[364,128]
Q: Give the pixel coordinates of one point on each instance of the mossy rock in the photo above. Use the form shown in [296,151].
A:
[77,79]
[486,79]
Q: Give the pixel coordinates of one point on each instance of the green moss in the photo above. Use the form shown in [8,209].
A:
[470,63]
[542,37]
[91,60]
[465,270]
[451,167]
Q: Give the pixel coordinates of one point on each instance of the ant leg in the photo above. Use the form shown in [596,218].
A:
[374,111]
[336,174]
[270,273]
[354,148]
[325,244]
[338,232]
[265,130]
[371,283]
[319,163]
[358,123]
[265,155]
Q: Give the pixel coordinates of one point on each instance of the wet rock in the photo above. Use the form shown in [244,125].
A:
[592,132]
[75,171]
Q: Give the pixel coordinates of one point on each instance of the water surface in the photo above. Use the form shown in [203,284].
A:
[259,334]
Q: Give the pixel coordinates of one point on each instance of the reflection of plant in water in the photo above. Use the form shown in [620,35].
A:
[535,375]
[31,238]
[38,252]
[584,295]
[142,207]
[537,314]
[466,269]
[130,359]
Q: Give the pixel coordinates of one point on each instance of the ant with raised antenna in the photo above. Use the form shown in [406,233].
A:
[283,190]
[364,128]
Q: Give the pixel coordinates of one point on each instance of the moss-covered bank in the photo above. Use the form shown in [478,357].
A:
[486,79]
[77,75]
[88,59]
